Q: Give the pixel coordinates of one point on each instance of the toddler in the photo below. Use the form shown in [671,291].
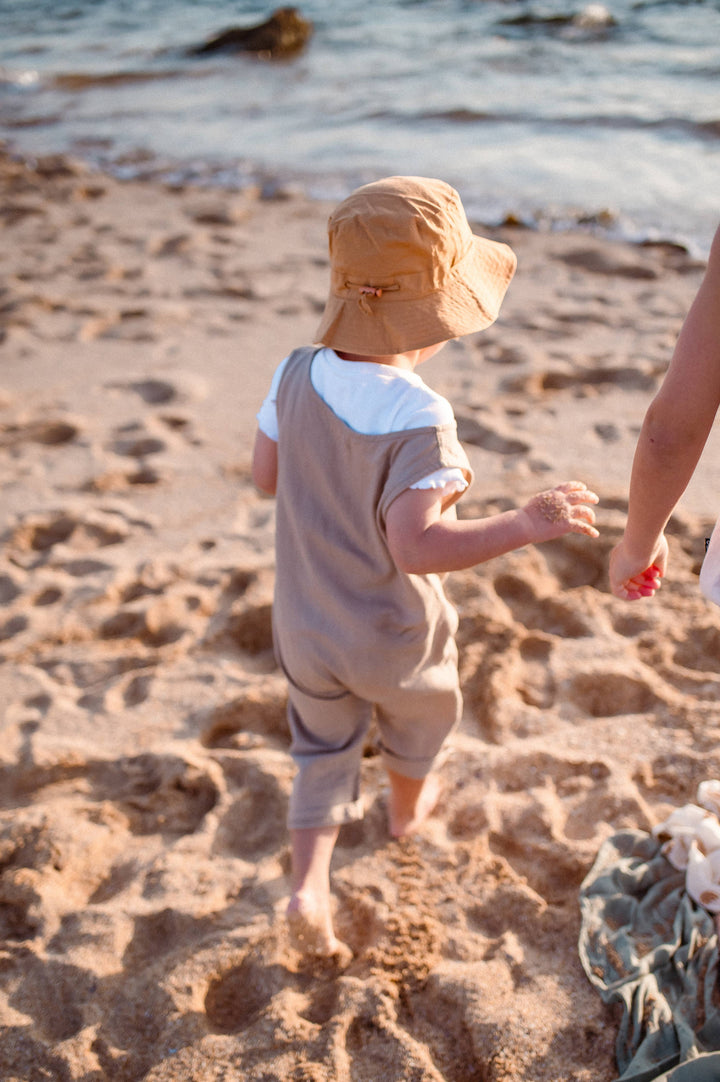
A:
[366,465]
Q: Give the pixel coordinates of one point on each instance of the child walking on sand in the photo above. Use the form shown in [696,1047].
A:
[366,466]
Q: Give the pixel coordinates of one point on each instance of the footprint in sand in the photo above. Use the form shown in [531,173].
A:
[26,851]
[160,623]
[25,1056]
[118,694]
[49,595]
[540,613]
[12,627]
[701,650]
[605,694]
[504,355]
[235,999]
[574,563]
[9,589]
[120,877]
[128,325]
[548,835]
[243,617]
[245,720]
[689,667]
[472,431]
[629,624]
[514,908]
[255,822]
[675,777]
[52,994]
[159,794]
[68,670]
[154,392]
[82,567]
[137,690]
[557,810]
[579,379]
[50,433]
[41,533]
[132,442]
[598,261]
[538,687]
[118,480]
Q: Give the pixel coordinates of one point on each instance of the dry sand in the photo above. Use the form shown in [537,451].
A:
[144,767]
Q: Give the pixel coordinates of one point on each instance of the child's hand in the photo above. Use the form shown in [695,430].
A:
[560,510]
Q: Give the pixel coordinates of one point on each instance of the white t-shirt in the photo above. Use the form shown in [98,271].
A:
[374,399]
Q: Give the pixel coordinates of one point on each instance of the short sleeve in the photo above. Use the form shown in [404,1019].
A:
[426,455]
[444,478]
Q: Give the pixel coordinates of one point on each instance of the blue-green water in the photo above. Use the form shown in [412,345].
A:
[547,109]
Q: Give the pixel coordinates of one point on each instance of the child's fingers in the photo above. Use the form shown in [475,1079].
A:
[582,519]
[579,516]
[577,491]
[567,507]
[583,513]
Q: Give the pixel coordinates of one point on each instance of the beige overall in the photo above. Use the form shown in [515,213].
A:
[352,633]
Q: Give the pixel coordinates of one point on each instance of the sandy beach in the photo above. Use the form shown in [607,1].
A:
[144,772]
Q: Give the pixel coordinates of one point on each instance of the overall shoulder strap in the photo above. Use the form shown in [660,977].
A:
[301,356]
[295,374]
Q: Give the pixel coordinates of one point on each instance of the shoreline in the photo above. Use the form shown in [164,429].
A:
[216,175]
[144,767]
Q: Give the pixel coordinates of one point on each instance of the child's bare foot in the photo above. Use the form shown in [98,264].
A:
[311,930]
[412,801]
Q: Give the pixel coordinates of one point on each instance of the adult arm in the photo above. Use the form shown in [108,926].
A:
[673,435]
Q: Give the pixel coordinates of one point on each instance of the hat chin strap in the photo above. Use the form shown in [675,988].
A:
[370,291]
[365,292]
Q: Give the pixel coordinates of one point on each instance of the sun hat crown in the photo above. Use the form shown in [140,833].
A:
[407,270]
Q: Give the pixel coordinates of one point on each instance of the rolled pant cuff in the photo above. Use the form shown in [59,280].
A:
[408,768]
[326,817]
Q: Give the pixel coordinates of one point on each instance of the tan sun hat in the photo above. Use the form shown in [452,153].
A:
[407,270]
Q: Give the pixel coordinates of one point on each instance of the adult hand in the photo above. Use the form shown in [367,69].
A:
[630,579]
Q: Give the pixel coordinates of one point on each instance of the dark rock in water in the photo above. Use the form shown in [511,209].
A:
[595,18]
[286,32]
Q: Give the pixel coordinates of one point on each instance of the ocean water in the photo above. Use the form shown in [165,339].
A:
[553,111]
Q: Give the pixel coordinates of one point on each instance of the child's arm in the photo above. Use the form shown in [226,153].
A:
[423,540]
[265,463]
[673,435]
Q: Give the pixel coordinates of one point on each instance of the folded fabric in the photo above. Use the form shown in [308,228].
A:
[644,943]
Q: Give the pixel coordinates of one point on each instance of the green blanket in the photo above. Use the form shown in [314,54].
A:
[645,944]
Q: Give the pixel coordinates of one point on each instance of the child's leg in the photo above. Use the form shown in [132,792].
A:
[308,912]
[415,722]
[411,802]
[327,749]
